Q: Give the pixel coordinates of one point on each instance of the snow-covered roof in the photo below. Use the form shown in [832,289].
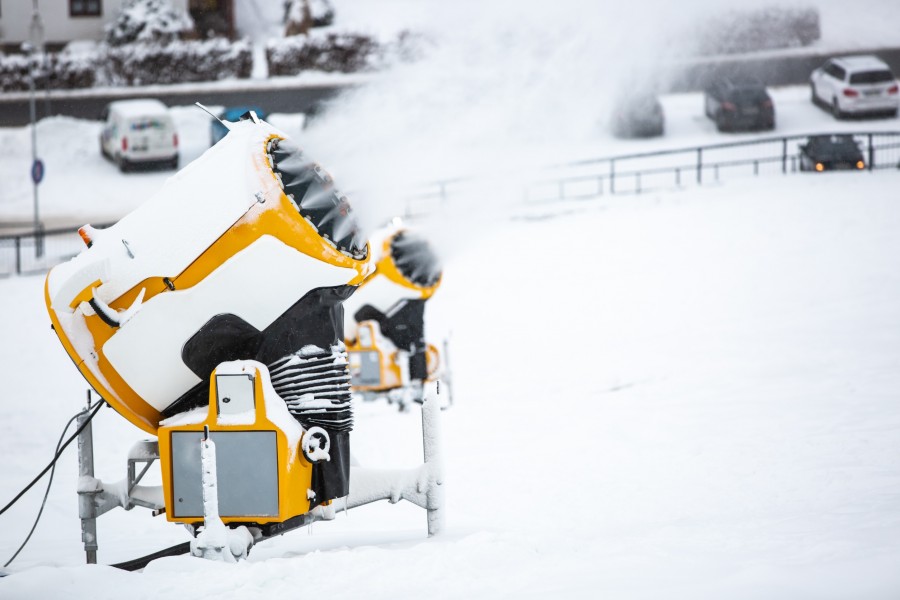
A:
[862,63]
[141,107]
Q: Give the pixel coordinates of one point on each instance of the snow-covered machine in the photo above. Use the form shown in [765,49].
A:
[385,322]
[213,316]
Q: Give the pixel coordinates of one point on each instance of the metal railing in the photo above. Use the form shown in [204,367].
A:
[34,252]
[37,252]
[666,169]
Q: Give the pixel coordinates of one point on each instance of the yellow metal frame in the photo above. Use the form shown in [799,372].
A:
[389,369]
[294,471]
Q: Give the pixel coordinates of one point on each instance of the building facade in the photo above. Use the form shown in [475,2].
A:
[68,20]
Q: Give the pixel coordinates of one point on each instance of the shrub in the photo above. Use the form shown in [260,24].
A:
[301,15]
[147,21]
[131,64]
[182,61]
[334,52]
[54,71]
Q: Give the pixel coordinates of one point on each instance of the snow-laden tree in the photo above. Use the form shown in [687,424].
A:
[301,15]
[147,21]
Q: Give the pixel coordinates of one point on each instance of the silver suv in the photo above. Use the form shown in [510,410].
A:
[853,85]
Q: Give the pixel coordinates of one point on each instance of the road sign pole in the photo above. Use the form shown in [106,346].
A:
[37,46]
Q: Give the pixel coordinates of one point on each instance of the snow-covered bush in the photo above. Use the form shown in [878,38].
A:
[177,62]
[71,71]
[61,71]
[131,64]
[14,73]
[409,46]
[334,52]
[321,12]
[147,21]
[301,15]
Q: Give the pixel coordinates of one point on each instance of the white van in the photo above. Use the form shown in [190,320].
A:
[139,132]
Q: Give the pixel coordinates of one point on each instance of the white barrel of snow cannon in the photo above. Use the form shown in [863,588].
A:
[241,255]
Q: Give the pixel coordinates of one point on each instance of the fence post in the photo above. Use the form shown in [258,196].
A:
[637,182]
[871,153]
[756,167]
[18,255]
[716,171]
[39,241]
[784,155]
[677,177]
[612,176]
[699,165]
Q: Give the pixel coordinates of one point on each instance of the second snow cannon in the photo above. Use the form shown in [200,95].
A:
[385,320]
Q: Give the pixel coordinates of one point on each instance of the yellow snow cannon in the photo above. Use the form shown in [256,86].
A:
[246,254]
[385,320]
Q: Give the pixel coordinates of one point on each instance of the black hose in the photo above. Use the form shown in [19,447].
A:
[55,458]
[46,493]
[139,563]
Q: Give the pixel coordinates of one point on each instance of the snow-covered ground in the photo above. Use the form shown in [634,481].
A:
[694,394]
[688,394]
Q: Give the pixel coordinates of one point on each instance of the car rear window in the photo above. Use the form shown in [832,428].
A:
[144,124]
[754,95]
[872,77]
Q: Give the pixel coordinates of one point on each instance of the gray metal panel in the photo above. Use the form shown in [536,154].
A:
[234,393]
[247,469]
[369,369]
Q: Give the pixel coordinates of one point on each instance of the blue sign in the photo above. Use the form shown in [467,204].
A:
[37,171]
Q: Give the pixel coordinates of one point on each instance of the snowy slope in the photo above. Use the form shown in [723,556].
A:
[694,392]
[690,394]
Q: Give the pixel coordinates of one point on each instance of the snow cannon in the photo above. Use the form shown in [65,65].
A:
[245,254]
[385,320]
[212,317]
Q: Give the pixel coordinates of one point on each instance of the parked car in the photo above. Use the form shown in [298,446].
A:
[217,131]
[139,132]
[638,115]
[855,85]
[739,103]
[828,152]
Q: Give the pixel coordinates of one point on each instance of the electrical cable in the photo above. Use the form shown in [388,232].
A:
[136,564]
[59,452]
[46,493]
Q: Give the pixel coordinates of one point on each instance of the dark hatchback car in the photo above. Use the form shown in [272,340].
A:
[828,152]
[638,116]
[739,104]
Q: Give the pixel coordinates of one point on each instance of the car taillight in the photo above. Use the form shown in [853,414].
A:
[820,167]
[728,106]
[894,89]
[860,164]
[124,144]
[175,139]
[850,93]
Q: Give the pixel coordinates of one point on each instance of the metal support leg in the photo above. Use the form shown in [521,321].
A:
[86,506]
[431,444]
